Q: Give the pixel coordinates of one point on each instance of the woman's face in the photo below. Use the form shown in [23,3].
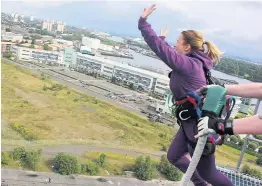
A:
[181,47]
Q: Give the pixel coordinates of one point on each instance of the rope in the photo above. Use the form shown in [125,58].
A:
[195,159]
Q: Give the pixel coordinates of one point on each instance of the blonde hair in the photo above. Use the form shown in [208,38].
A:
[196,42]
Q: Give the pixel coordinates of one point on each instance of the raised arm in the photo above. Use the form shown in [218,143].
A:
[164,51]
[249,90]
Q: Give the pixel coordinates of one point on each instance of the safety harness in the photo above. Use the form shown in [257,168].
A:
[190,107]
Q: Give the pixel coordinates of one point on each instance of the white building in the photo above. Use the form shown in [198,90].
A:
[105,47]
[162,85]
[9,36]
[66,43]
[143,79]
[31,18]
[91,42]
[42,56]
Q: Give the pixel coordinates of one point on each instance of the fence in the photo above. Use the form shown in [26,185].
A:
[240,179]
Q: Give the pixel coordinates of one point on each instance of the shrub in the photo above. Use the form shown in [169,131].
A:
[5,159]
[101,160]
[144,168]
[90,168]
[66,164]
[259,160]
[252,172]
[168,170]
[233,139]
[31,159]
[252,146]
[18,153]
[25,132]
[260,149]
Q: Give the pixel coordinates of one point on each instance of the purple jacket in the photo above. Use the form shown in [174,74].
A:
[187,70]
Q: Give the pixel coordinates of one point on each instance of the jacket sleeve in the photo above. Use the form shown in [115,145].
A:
[164,51]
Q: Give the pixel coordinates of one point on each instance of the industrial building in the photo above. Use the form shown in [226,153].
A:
[12,37]
[140,78]
[44,56]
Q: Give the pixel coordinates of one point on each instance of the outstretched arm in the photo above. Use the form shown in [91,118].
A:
[248,125]
[250,90]
[164,51]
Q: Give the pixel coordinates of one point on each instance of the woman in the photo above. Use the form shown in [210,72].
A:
[248,125]
[186,61]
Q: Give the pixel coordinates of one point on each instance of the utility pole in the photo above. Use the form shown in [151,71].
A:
[244,147]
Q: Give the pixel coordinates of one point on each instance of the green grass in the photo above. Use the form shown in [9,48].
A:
[228,157]
[115,163]
[62,115]
[50,113]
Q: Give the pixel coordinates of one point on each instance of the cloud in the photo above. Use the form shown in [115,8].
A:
[233,17]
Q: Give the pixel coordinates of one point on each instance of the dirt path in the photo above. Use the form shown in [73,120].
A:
[78,150]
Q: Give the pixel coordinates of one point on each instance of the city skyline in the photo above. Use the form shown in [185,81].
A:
[226,23]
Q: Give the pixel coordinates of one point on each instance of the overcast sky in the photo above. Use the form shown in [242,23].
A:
[236,27]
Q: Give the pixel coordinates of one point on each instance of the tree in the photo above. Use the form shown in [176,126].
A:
[246,76]
[144,168]
[33,42]
[45,46]
[259,160]
[252,146]
[131,86]
[66,164]
[113,80]
[8,55]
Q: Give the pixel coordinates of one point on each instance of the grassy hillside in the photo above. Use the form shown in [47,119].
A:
[37,108]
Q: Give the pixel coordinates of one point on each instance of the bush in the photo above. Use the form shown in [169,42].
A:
[44,88]
[168,170]
[258,137]
[31,159]
[241,142]
[252,146]
[5,159]
[252,172]
[25,132]
[260,149]
[259,160]
[90,168]
[101,160]
[144,168]
[66,164]
[233,139]
[18,153]
[164,148]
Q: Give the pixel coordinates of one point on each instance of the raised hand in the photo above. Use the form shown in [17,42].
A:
[164,33]
[148,11]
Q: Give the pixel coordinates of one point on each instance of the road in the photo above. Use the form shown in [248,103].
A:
[12,177]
